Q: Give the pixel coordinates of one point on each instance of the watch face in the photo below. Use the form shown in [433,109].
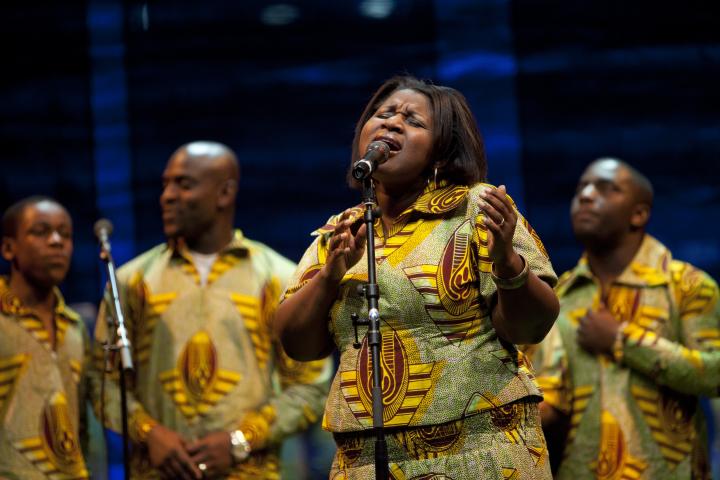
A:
[240,446]
[239,454]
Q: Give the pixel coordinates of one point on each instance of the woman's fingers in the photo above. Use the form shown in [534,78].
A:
[344,247]
[492,225]
[491,212]
[499,203]
[361,236]
[500,216]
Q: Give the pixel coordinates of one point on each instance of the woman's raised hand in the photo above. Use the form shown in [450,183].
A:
[500,219]
[344,248]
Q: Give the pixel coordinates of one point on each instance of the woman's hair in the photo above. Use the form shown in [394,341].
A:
[457,148]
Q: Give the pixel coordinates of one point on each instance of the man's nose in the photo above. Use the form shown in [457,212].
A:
[55,238]
[168,194]
[588,192]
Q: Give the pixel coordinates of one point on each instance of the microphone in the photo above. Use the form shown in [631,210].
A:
[377,154]
[103,228]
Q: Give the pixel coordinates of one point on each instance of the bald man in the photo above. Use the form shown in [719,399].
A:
[636,342]
[213,393]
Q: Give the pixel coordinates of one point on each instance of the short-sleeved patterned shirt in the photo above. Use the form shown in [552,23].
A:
[442,359]
[636,414]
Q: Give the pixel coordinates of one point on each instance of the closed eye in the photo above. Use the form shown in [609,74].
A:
[415,122]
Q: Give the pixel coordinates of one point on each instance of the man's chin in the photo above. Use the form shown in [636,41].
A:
[585,235]
[170,231]
[50,279]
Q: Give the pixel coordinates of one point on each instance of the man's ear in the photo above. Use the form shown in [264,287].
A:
[640,215]
[228,192]
[8,248]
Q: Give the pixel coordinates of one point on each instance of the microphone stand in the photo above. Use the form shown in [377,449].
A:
[123,345]
[372,294]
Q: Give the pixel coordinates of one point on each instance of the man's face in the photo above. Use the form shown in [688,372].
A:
[189,199]
[604,202]
[42,247]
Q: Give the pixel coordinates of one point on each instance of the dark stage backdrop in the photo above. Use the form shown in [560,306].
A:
[96,95]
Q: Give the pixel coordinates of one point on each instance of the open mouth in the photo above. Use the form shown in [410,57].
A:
[391,142]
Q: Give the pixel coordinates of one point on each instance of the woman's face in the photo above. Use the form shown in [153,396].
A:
[404,122]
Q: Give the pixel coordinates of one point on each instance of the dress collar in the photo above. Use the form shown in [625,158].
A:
[433,201]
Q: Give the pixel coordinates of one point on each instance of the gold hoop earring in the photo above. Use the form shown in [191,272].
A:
[435,177]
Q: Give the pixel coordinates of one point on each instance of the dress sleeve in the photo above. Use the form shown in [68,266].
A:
[310,264]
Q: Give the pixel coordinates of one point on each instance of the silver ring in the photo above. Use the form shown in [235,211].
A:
[502,222]
[202,467]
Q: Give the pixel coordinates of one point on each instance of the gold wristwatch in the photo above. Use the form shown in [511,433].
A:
[240,446]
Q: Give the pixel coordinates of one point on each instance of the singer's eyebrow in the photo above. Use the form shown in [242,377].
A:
[385,107]
[407,111]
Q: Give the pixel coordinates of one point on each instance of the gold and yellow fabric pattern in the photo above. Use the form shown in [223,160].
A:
[502,443]
[635,414]
[204,355]
[442,361]
[42,392]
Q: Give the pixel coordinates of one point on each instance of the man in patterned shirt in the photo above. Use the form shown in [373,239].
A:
[213,394]
[637,341]
[43,348]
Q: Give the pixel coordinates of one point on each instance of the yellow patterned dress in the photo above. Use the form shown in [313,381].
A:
[635,415]
[204,356]
[42,392]
[459,403]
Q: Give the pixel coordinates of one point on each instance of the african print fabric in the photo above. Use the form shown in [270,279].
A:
[42,392]
[500,444]
[442,360]
[204,356]
[635,415]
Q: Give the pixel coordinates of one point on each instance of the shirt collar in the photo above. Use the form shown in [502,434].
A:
[238,246]
[433,201]
[10,304]
[650,267]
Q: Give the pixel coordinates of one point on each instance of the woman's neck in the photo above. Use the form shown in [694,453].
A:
[394,201]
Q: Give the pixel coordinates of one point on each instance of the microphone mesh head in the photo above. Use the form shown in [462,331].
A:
[103,224]
[381,147]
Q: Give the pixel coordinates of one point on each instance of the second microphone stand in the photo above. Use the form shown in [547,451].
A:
[123,346]
[372,294]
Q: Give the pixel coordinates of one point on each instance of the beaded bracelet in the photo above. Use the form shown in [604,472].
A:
[512,283]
